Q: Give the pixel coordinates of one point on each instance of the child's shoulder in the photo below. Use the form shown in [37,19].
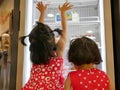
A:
[100,71]
[93,70]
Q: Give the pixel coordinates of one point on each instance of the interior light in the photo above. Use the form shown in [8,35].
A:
[50,15]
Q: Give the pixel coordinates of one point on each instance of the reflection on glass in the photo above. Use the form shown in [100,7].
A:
[4,62]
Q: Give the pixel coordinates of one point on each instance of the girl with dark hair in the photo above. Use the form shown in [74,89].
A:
[46,56]
[84,54]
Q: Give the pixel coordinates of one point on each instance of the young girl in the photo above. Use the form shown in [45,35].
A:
[46,56]
[84,53]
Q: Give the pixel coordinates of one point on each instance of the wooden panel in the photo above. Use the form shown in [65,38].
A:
[14,44]
[109,40]
[116,38]
[20,46]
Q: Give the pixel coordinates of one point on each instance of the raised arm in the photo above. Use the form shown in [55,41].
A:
[42,8]
[62,41]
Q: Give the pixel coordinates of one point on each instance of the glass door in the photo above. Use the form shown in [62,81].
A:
[86,18]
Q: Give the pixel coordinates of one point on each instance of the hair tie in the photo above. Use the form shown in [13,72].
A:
[23,38]
[59,31]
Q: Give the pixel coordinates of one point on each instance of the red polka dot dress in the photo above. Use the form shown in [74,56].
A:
[46,77]
[92,79]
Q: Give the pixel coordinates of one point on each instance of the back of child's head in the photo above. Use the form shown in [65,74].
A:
[84,51]
[41,43]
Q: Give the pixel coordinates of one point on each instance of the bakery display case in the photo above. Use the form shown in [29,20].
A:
[85,19]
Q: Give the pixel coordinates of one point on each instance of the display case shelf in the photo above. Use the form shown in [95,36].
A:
[82,21]
[75,3]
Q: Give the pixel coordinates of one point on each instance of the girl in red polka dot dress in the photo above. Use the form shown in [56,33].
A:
[46,56]
[84,53]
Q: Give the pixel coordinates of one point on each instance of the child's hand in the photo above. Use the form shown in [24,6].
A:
[41,7]
[66,6]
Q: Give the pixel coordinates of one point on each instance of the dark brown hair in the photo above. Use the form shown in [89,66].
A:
[41,43]
[84,51]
